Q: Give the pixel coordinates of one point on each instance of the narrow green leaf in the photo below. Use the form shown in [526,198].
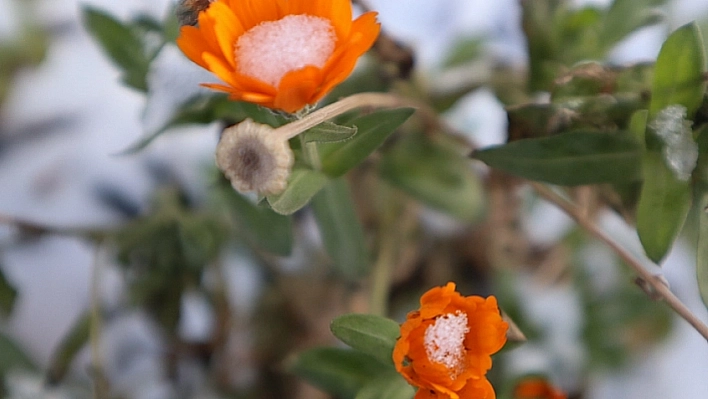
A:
[341,372]
[260,225]
[303,184]
[702,247]
[464,50]
[8,295]
[678,76]
[663,206]
[68,348]
[341,231]
[328,132]
[373,129]
[12,356]
[205,109]
[574,158]
[437,176]
[121,44]
[371,334]
[388,386]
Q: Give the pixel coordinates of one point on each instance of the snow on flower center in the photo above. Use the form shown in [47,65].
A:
[271,49]
[444,341]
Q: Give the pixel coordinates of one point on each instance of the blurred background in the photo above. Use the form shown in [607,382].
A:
[79,219]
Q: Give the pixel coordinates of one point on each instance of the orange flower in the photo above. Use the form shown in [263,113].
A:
[282,54]
[537,388]
[445,347]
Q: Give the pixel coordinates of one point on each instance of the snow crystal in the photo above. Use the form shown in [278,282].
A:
[270,50]
[680,151]
[444,341]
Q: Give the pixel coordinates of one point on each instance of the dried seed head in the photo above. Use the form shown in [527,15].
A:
[254,158]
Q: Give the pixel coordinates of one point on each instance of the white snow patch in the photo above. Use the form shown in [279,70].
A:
[272,49]
[680,151]
[444,340]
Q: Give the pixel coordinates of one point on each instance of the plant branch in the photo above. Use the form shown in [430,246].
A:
[656,282]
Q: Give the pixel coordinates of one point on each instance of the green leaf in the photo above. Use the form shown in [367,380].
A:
[626,16]
[12,356]
[341,231]
[371,334]
[463,51]
[574,158]
[8,295]
[328,132]
[373,129]
[208,108]
[678,76]
[702,247]
[663,206]
[260,225]
[68,348]
[303,184]
[388,386]
[341,372]
[435,175]
[122,45]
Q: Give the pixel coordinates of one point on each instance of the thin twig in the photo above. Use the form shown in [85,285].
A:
[33,228]
[656,282]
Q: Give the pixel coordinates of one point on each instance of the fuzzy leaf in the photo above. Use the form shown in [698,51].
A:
[329,132]
[341,231]
[663,206]
[569,159]
[13,356]
[437,176]
[260,225]
[388,386]
[122,45]
[373,129]
[342,372]
[8,295]
[702,247]
[205,109]
[371,334]
[678,75]
[303,184]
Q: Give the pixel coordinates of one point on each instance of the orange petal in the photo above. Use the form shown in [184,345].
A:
[434,302]
[364,32]
[219,67]
[478,389]
[253,12]
[227,30]
[298,88]
[339,12]
[191,42]
[207,19]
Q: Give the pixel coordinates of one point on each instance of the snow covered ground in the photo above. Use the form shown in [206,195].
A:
[69,117]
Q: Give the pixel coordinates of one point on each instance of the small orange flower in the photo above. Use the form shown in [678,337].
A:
[537,388]
[282,54]
[445,347]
